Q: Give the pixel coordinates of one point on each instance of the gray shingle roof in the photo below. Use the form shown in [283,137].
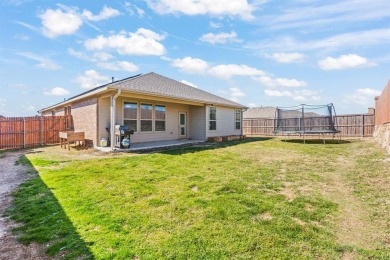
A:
[155,84]
[269,112]
[260,112]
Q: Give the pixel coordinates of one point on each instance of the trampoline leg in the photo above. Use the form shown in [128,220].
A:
[304,141]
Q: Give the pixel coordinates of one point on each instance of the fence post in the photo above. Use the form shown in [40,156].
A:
[41,131]
[362,125]
[24,132]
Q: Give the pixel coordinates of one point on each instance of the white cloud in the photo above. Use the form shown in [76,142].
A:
[98,56]
[215,25]
[226,71]
[343,62]
[252,105]
[57,22]
[278,93]
[306,95]
[220,37]
[141,42]
[191,65]
[318,14]
[189,83]
[236,93]
[105,13]
[119,65]
[22,37]
[363,96]
[91,79]
[345,40]
[298,95]
[239,8]
[29,108]
[44,63]
[284,57]
[280,82]
[56,91]
[3,102]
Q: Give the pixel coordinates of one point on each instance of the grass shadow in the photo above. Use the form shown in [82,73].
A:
[210,146]
[316,141]
[43,220]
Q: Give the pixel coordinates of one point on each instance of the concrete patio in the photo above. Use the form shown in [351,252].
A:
[152,145]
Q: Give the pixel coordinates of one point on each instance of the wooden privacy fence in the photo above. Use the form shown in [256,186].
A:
[22,132]
[361,125]
[382,106]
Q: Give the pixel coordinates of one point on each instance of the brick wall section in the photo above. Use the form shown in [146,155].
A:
[85,119]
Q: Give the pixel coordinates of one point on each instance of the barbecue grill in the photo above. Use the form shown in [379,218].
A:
[122,136]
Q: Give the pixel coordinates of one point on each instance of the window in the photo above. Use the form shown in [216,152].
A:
[146,117]
[130,115]
[159,116]
[213,118]
[238,119]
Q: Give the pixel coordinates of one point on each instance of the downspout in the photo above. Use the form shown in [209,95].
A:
[113,116]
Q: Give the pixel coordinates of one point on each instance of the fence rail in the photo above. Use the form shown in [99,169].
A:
[361,125]
[22,132]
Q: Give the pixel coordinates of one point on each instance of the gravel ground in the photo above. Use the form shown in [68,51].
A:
[11,176]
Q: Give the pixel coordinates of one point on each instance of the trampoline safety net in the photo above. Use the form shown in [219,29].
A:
[306,119]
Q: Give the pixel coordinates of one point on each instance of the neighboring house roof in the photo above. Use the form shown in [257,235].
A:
[158,85]
[260,112]
[269,112]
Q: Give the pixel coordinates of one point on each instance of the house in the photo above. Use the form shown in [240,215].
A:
[157,108]
[270,113]
[260,112]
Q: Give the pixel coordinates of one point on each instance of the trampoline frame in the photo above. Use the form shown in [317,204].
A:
[303,132]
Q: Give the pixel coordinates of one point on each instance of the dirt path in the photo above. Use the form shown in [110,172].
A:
[11,176]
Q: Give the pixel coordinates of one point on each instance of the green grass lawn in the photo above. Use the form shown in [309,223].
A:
[259,199]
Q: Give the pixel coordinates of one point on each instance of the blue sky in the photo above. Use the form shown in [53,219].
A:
[257,53]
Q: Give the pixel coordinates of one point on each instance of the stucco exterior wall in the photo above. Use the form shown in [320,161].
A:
[225,122]
[85,119]
[197,120]
[382,136]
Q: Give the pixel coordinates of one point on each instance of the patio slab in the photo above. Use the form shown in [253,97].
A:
[136,147]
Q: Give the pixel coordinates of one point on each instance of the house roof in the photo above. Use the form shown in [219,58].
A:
[270,113]
[260,112]
[155,84]
[158,85]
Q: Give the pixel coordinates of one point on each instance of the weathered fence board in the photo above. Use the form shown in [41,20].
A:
[21,132]
[361,125]
[382,106]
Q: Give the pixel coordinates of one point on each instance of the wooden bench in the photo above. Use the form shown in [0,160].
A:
[68,137]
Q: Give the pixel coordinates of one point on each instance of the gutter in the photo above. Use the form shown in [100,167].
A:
[113,113]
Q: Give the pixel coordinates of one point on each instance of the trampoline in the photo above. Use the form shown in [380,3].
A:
[306,120]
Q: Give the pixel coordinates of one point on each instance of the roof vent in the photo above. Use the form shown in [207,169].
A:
[112,78]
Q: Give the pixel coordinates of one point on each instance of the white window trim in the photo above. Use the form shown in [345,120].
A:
[154,117]
[138,113]
[140,119]
[208,127]
[235,120]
